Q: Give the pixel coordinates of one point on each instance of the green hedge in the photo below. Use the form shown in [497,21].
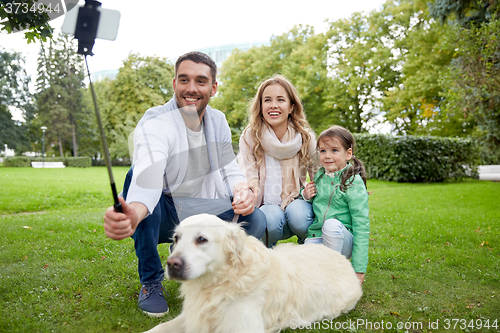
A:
[114,162]
[25,161]
[416,159]
[80,162]
[17,161]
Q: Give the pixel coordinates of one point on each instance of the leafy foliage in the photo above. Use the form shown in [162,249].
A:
[14,93]
[295,55]
[465,12]
[473,78]
[302,56]
[397,65]
[79,162]
[142,82]
[368,68]
[361,65]
[412,102]
[33,19]
[18,161]
[12,134]
[13,79]
[417,159]
[59,95]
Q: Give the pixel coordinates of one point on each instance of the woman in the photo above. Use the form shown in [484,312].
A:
[277,149]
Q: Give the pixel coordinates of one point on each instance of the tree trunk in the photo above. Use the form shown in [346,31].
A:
[75,147]
[60,147]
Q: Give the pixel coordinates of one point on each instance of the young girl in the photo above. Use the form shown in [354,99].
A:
[340,199]
[277,150]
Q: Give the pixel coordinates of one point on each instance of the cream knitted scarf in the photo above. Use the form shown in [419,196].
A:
[282,161]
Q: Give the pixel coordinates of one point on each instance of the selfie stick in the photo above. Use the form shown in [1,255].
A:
[85,32]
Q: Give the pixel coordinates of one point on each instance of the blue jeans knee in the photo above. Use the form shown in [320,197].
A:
[295,220]
[299,215]
[275,220]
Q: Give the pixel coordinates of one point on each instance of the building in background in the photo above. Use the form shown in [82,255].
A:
[105,74]
[220,53]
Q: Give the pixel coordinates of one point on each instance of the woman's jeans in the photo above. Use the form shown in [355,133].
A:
[159,227]
[335,236]
[295,220]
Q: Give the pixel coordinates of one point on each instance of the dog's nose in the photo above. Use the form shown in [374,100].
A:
[175,263]
[175,267]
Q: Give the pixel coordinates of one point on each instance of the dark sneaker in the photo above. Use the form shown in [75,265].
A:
[151,300]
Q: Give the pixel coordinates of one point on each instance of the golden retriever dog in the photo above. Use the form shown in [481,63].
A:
[232,283]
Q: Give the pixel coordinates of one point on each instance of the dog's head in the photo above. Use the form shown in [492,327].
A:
[203,244]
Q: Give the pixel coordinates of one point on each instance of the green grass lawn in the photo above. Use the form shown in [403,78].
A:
[434,258]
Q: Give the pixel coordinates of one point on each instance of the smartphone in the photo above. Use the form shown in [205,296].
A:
[107,28]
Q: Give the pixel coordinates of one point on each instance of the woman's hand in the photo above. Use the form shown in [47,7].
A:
[243,202]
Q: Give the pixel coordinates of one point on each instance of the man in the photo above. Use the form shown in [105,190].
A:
[182,153]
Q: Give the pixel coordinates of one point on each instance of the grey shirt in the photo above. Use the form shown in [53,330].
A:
[198,165]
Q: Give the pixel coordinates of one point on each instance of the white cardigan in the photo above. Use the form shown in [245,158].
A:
[161,150]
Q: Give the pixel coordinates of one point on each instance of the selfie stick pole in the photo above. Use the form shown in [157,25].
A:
[107,159]
[85,32]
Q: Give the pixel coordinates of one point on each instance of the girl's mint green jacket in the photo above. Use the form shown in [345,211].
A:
[350,208]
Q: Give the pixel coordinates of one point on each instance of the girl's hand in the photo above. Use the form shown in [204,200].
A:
[309,191]
[361,277]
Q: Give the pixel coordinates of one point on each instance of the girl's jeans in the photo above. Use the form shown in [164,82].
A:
[335,236]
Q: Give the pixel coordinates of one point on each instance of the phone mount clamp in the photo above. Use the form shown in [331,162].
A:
[86,26]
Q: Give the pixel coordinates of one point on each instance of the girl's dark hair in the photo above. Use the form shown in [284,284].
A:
[347,141]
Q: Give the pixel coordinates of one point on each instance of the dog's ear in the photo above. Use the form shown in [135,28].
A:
[234,242]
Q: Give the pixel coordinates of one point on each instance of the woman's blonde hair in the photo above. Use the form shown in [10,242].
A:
[296,119]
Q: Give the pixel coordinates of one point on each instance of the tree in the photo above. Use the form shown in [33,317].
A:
[412,100]
[473,81]
[361,66]
[12,133]
[473,78]
[89,140]
[465,12]
[142,82]
[337,74]
[298,54]
[307,68]
[59,95]
[239,78]
[390,65]
[14,93]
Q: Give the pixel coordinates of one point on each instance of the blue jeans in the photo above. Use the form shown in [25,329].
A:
[335,236]
[159,227]
[295,220]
